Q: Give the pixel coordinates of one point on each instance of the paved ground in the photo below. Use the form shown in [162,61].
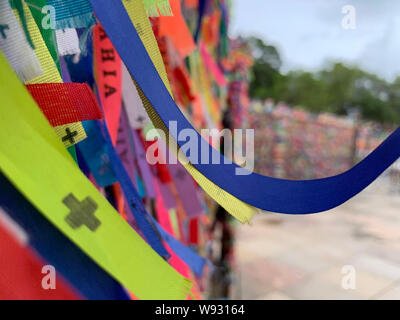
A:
[303,257]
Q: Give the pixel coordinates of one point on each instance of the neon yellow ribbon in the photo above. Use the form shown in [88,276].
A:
[33,158]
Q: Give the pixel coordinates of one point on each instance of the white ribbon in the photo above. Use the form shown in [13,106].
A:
[15,46]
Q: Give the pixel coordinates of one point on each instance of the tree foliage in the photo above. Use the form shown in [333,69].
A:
[338,88]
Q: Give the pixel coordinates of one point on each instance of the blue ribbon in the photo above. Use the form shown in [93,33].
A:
[94,151]
[97,130]
[202,9]
[194,261]
[267,193]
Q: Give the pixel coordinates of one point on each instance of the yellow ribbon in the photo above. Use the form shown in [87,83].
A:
[50,75]
[136,11]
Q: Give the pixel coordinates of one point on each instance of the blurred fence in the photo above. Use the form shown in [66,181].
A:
[296,144]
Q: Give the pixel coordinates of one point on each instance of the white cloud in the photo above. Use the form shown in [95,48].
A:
[309,32]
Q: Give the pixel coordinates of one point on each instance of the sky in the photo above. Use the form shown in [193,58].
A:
[309,33]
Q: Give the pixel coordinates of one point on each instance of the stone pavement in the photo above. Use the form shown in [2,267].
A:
[302,257]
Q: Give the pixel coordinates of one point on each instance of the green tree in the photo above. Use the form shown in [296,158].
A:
[338,88]
[266,68]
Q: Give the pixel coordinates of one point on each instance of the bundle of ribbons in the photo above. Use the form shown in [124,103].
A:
[80,93]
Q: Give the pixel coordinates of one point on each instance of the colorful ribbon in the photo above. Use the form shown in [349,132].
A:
[277,195]
[37,163]
[21,273]
[72,13]
[85,275]
[242,211]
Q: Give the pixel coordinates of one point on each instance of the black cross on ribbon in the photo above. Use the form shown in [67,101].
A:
[70,135]
[82,213]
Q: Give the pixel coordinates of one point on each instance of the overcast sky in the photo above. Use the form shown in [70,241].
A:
[309,33]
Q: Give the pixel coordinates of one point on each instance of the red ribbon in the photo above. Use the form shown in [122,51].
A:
[108,74]
[21,274]
[64,103]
